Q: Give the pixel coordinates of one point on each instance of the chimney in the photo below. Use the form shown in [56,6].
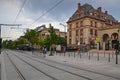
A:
[106,12]
[78,6]
[49,25]
[99,9]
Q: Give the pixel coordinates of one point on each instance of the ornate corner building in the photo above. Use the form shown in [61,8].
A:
[88,22]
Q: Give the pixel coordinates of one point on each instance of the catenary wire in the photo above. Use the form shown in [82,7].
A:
[46,12]
[20,10]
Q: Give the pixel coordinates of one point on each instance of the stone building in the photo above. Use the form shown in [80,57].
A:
[88,23]
[44,32]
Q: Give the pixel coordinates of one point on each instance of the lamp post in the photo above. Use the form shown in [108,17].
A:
[64,34]
[64,28]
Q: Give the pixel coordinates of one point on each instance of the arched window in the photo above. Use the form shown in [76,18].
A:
[105,37]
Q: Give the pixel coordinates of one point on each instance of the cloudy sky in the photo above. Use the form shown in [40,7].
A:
[33,13]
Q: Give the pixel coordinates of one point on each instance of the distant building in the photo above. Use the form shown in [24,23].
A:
[87,23]
[44,32]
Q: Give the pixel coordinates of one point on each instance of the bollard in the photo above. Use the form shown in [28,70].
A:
[89,55]
[104,53]
[69,54]
[98,56]
[64,54]
[56,53]
[74,54]
[116,56]
[92,53]
[109,57]
[113,54]
[80,54]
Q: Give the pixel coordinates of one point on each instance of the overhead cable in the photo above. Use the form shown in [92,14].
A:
[46,12]
[20,10]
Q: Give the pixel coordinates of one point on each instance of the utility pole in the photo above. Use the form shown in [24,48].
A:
[0,32]
[65,35]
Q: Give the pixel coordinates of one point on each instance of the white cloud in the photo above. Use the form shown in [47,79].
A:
[9,9]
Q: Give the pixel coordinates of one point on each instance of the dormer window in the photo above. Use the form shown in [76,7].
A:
[82,13]
[91,13]
[95,14]
[105,17]
[77,15]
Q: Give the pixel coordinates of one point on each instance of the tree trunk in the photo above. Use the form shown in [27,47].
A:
[51,54]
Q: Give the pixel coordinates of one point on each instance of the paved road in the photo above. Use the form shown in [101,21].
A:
[31,68]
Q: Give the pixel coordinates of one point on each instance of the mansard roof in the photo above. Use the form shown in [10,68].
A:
[87,10]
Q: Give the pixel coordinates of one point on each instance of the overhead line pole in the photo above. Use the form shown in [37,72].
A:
[0,32]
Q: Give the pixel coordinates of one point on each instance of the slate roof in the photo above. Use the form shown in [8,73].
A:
[85,11]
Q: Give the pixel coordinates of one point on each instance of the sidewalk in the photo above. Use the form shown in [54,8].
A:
[101,66]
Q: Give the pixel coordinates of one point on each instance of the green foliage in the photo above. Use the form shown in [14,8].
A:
[8,44]
[52,36]
[45,42]
[52,39]
[4,44]
[61,40]
[32,36]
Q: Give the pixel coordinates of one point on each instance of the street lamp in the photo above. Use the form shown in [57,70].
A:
[64,34]
[64,26]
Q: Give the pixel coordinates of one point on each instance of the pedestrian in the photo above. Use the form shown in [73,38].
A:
[44,52]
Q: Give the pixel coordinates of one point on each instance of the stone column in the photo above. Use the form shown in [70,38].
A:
[87,35]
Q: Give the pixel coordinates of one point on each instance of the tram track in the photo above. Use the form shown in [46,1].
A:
[56,68]
[53,78]
[72,67]
[53,67]
[16,69]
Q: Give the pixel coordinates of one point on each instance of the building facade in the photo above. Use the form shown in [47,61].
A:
[88,23]
[44,32]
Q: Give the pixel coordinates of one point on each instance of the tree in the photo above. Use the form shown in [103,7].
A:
[61,40]
[52,38]
[32,36]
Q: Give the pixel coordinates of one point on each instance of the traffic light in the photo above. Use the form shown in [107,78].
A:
[0,43]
